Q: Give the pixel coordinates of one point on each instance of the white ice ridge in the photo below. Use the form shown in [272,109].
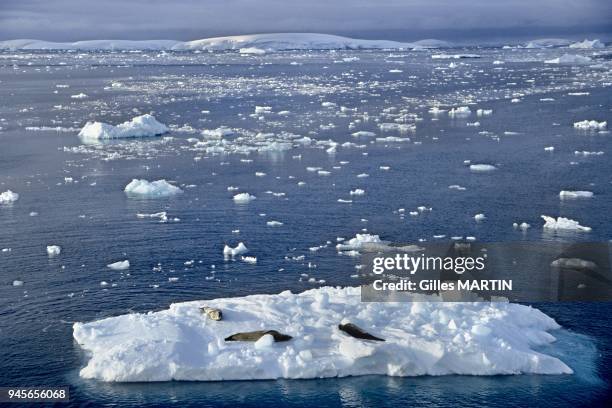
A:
[421,338]
[8,197]
[565,194]
[264,42]
[140,126]
[548,43]
[151,189]
[562,223]
[588,44]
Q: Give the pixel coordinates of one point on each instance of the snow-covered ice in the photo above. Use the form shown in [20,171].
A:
[591,125]
[151,189]
[569,59]
[53,250]
[482,168]
[562,223]
[140,126]
[119,265]
[421,338]
[564,194]
[244,198]
[240,249]
[588,44]
[8,197]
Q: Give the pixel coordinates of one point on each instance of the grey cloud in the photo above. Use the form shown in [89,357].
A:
[188,19]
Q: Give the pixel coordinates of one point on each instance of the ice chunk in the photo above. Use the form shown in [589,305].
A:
[479,217]
[240,249]
[548,43]
[119,266]
[460,111]
[562,223]
[53,250]
[140,126]
[563,195]
[151,189]
[359,241]
[244,198]
[482,168]
[421,339]
[591,125]
[252,51]
[8,197]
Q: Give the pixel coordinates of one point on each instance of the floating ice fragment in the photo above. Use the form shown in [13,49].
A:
[119,266]
[151,189]
[591,125]
[240,249]
[8,197]
[482,168]
[562,223]
[53,250]
[140,126]
[244,198]
[563,195]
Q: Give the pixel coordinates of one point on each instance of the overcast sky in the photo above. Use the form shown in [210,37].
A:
[63,20]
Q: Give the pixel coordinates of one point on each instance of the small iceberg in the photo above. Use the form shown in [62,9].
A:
[562,223]
[8,197]
[591,125]
[564,195]
[482,168]
[244,198]
[53,250]
[119,266]
[140,126]
[588,44]
[151,189]
[240,249]
[569,59]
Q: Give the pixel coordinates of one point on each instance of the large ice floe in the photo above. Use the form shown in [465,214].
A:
[140,126]
[588,44]
[151,189]
[265,42]
[420,338]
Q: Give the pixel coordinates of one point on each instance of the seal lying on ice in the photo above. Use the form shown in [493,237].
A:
[357,332]
[256,335]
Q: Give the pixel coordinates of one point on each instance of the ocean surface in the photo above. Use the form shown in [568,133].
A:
[71,195]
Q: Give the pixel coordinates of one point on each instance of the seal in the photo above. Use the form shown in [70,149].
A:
[256,335]
[211,313]
[357,332]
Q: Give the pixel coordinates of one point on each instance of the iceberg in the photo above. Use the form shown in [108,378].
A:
[588,44]
[140,126]
[240,249]
[548,43]
[8,197]
[244,198]
[562,223]
[119,266]
[575,194]
[53,250]
[482,168]
[591,125]
[151,189]
[181,344]
[569,59]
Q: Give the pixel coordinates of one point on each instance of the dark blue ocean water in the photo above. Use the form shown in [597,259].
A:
[96,224]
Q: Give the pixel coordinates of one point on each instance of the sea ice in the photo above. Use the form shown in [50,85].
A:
[569,59]
[588,44]
[119,266]
[53,250]
[240,249]
[244,198]
[591,125]
[574,194]
[482,168]
[562,223]
[421,338]
[140,126]
[151,189]
[8,197]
